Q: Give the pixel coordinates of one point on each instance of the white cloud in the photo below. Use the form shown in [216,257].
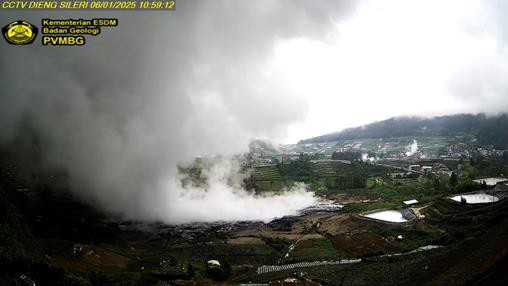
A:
[398,58]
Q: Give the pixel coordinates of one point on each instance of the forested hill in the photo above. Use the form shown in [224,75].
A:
[488,129]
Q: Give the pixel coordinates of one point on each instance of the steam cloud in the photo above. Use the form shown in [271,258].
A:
[120,113]
[413,148]
[224,197]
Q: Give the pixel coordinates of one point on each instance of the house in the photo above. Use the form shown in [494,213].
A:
[410,202]
[397,175]
[26,280]
[77,248]
[291,281]
[415,168]
[213,263]
[426,169]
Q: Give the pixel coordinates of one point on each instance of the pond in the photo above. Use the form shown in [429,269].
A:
[387,215]
[476,198]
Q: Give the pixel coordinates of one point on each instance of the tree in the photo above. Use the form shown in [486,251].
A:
[190,270]
[436,184]
[351,156]
[173,261]
[220,273]
[453,180]
[476,158]
[467,173]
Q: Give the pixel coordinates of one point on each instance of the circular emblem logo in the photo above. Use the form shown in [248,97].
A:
[19,33]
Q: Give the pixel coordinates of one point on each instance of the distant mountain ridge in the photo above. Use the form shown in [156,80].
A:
[488,129]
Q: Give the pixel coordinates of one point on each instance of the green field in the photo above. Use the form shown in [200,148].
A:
[266,173]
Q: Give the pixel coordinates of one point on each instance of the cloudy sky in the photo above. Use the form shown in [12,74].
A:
[119,113]
[400,58]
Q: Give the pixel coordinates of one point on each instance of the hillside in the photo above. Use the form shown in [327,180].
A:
[491,130]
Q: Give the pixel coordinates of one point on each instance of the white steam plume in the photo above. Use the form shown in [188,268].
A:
[224,198]
[120,113]
[413,148]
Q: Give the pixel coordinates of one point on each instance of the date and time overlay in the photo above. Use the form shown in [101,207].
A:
[67,31]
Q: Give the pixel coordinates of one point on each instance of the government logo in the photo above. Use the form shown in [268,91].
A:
[19,33]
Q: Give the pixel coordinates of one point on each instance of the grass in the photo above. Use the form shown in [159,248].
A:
[387,193]
[314,250]
[372,272]
[412,239]
[266,173]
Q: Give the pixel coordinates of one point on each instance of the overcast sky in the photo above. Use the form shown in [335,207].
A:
[120,113]
[399,58]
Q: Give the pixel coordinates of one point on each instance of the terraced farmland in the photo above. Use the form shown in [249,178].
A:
[328,168]
[267,173]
